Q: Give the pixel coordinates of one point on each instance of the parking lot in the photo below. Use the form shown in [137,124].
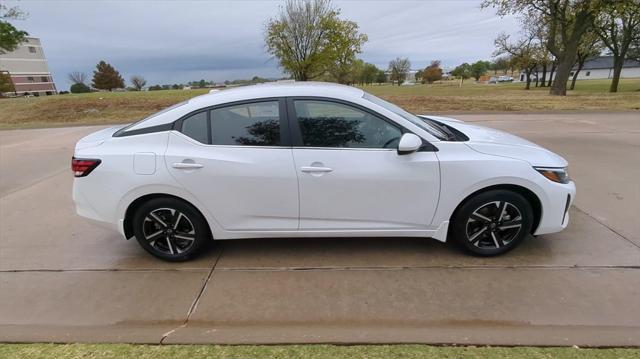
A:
[66,280]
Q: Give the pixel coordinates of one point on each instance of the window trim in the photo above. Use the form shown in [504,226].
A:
[285,139]
[296,133]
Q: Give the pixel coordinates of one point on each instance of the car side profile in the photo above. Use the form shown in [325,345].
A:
[315,160]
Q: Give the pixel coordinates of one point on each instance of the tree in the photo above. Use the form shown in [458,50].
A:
[479,68]
[590,46]
[10,36]
[432,73]
[565,21]
[77,77]
[308,38]
[524,53]
[381,77]
[138,82]
[618,27]
[79,87]
[368,73]
[419,74]
[462,71]
[105,77]
[345,42]
[501,64]
[634,51]
[6,85]
[399,69]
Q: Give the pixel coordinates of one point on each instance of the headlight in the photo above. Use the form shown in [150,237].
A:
[559,175]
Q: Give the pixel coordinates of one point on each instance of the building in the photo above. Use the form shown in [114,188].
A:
[598,68]
[28,69]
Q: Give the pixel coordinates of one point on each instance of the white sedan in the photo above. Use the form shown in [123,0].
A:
[315,160]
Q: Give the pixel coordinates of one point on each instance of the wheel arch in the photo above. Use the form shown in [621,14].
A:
[530,196]
[134,205]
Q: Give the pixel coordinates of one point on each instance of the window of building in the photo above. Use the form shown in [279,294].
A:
[253,124]
[32,49]
[331,124]
[588,73]
[30,78]
[44,79]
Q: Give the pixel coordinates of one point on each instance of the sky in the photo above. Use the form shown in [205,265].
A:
[181,41]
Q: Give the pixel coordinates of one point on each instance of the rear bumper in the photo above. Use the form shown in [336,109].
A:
[84,208]
[555,209]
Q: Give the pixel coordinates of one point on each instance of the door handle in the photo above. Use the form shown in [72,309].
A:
[186,165]
[310,169]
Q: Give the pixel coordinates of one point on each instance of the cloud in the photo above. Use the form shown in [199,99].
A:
[180,41]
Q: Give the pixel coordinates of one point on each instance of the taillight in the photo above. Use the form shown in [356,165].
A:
[83,166]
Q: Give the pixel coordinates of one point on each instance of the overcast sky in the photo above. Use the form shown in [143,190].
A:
[180,41]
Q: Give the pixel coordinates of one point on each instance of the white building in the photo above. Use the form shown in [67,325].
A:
[597,68]
[27,67]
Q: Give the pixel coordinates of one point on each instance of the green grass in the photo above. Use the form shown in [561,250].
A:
[447,97]
[72,351]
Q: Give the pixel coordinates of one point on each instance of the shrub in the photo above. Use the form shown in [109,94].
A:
[79,88]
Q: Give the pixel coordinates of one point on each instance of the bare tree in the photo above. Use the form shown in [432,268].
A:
[77,77]
[138,82]
[618,27]
[399,69]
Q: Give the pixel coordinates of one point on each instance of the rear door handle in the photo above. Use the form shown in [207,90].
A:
[310,169]
[186,165]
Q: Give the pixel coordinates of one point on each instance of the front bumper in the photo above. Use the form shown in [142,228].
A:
[555,208]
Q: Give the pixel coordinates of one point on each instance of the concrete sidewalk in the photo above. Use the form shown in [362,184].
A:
[65,280]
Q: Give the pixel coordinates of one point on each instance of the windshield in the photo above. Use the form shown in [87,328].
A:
[407,116]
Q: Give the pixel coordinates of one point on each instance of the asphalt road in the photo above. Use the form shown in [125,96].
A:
[65,280]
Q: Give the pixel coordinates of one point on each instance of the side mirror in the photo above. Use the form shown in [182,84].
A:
[409,143]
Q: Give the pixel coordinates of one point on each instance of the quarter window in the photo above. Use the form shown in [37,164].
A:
[254,124]
[195,126]
[331,124]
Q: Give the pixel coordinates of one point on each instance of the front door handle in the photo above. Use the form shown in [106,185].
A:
[310,169]
[186,165]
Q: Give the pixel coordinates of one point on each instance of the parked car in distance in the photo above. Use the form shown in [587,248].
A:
[315,160]
[505,79]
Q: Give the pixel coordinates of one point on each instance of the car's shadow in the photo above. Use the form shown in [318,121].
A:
[353,253]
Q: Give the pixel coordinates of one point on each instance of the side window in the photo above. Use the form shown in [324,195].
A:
[195,126]
[253,124]
[330,124]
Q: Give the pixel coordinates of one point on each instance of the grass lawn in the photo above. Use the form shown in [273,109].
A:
[124,107]
[68,351]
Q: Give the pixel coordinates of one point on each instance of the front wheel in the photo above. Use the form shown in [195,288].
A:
[492,222]
[170,229]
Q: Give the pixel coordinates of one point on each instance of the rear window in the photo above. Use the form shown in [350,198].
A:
[123,130]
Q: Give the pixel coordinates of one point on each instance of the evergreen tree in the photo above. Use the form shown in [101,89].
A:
[105,77]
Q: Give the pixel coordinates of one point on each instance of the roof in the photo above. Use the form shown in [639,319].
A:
[278,89]
[606,62]
[267,90]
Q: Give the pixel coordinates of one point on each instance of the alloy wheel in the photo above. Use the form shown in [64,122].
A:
[168,231]
[494,225]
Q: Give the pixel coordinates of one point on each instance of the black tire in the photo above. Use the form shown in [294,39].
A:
[155,228]
[492,222]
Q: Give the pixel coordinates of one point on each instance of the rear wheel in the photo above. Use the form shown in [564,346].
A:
[492,222]
[170,229]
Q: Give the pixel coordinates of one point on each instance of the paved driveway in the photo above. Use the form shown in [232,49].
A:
[65,280]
